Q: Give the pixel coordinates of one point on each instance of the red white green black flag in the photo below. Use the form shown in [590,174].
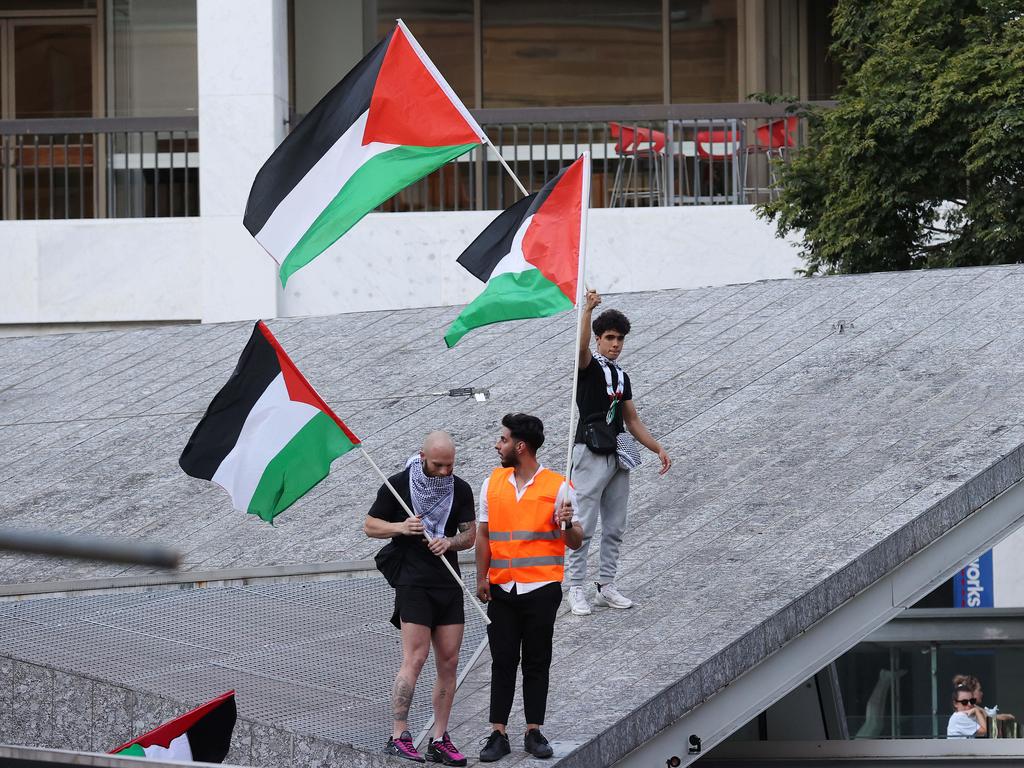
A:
[202,735]
[529,255]
[268,437]
[391,121]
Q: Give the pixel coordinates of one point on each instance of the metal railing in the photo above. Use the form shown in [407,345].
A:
[85,168]
[661,155]
[679,154]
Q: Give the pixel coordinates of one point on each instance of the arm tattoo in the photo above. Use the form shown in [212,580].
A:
[401,698]
[464,538]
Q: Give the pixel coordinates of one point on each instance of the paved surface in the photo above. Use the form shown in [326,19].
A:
[822,431]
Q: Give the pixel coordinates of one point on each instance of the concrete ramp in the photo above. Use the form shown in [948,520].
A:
[840,445]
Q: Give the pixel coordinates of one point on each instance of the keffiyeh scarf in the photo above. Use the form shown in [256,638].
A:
[432,497]
[627,452]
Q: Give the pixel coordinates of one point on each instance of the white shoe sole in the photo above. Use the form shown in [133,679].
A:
[606,604]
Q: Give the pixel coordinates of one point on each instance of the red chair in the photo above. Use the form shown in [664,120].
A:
[771,140]
[634,144]
[723,146]
[718,144]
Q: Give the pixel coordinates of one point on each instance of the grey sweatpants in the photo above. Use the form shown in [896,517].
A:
[602,490]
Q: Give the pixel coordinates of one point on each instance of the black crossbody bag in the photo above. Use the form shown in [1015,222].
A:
[599,436]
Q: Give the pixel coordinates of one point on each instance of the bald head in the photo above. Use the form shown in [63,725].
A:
[438,454]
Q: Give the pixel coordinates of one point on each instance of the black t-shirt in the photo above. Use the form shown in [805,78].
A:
[421,567]
[592,395]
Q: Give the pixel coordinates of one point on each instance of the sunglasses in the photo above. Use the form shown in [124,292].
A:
[969,702]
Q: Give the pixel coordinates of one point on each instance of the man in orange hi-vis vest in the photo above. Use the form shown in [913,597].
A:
[520,549]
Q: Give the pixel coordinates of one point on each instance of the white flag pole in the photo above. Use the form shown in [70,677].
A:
[410,513]
[580,297]
[504,165]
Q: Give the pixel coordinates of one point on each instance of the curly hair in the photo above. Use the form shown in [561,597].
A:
[611,320]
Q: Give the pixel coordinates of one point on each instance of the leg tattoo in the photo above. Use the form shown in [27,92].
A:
[401,699]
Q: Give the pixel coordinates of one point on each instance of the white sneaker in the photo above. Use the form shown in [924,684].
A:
[608,595]
[578,601]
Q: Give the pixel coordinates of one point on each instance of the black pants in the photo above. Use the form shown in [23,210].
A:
[523,623]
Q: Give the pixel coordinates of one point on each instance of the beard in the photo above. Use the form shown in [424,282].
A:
[510,461]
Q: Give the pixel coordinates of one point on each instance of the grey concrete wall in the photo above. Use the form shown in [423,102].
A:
[44,707]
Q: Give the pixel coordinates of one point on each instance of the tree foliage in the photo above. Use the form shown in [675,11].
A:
[921,164]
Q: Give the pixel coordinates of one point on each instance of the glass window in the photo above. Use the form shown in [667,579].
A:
[52,69]
[889,690]
[152,68]
[703,51]
[445,30]
[573,52]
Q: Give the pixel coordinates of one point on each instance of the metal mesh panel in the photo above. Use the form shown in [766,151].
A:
[228,620]
[318,658]
[11,628]
[57,611]
[120,656]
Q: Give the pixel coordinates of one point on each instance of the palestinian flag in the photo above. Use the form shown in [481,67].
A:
[267,437]
[202,735]
[529,256]
[389,123]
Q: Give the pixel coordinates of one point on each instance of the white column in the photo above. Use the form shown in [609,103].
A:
[243,105]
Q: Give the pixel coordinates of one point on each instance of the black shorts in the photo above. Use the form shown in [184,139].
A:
[430,606]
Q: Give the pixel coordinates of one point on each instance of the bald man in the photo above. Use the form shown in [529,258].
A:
[428,601]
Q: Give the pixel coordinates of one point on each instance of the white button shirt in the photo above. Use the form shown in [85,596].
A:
[524,587]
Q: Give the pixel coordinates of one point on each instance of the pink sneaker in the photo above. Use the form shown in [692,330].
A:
[443,751]
[403,747]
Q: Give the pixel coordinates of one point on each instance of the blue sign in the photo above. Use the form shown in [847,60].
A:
[972,584]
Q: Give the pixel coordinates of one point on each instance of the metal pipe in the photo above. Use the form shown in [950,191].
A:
[88,547]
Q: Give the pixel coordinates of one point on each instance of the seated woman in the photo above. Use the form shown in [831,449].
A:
[968,719]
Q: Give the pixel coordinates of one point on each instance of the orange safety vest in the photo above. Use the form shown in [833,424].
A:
[526,543]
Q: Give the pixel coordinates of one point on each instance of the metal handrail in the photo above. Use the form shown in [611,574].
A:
[83,125]
[101,167]
[626,112]
[640,113]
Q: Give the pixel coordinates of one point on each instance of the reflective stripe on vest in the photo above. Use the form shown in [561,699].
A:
[526,543]
[522,562]
[525,535]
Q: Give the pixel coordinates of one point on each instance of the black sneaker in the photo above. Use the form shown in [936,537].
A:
[404,748]
[535,743]
[495,748]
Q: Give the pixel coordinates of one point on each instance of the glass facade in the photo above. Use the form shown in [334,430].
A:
[151,58]
[52,68]
[575,52]
[537,53]
[152,71]
[903,691]
[445,30]
[703,51]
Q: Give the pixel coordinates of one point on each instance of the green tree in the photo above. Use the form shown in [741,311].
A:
[921,164]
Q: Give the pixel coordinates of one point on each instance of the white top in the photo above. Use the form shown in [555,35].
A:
[961,726]
[523,587]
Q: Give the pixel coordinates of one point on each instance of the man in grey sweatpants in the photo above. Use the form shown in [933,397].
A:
[604,397]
